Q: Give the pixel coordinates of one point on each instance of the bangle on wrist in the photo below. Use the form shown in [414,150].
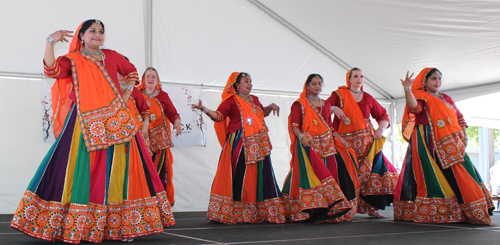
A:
[129,87]
[333,108]
[177,120]
[145,123]
[407,88]
[205,110]
[51,40]
[301,136]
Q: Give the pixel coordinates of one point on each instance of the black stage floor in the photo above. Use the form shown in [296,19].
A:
[193,228]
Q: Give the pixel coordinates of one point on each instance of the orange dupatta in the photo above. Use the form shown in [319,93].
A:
[354,129]
[256,142]
[160,135]
[103,114]
[445,129]
[314,126]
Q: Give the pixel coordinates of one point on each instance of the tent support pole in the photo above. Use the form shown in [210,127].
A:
[149,33]
[393,131]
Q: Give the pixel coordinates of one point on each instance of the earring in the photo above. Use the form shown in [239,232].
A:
[82,41]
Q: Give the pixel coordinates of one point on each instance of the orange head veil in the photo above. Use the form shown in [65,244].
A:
[142,86]
[419,82]
[221,127]
[229,88]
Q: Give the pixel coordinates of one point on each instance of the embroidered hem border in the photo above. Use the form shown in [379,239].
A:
[442,210]
[353,204]
[360,141]
[381,185]
[224,210]
[321,196]
[72,222]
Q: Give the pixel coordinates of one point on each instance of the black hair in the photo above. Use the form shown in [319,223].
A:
[432,71]
[238,79]
[310,78]
[126,58]
[87,24]
[354,69]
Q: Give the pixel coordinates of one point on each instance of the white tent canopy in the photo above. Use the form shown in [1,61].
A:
[279,42]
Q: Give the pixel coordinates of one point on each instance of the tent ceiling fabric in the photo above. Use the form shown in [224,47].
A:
[223,36]
[387,38]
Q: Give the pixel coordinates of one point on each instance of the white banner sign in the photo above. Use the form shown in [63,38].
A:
[194,127]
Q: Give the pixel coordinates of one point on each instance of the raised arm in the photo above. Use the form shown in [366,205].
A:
[52,39]
[411,102]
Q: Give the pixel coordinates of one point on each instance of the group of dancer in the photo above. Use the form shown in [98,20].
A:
[109,173]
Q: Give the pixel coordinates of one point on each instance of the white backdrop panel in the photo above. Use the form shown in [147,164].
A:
[26,23]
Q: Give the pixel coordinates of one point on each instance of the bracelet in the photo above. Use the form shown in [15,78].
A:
[129,87]
[177,120]
[301,136]
[333,108]
[205,110]
[383,129]
[51,40]
[466,138]
[407,88]
[146,123]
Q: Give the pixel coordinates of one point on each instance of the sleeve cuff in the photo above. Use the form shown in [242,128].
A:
[415,110]
[133,76]
[219,116]
[52,71]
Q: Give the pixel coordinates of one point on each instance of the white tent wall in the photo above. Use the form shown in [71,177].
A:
[26,23]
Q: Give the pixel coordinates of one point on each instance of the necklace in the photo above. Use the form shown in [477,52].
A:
[313,98]
[356,92]
[244,95]
[317,99]
[91,53]
[96,53]
[150,96]
[250,99]
[440,97]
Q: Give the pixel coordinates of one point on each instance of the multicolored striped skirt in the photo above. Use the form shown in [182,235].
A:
[321,189]
[378,179]
[427,193]
[76,195]
[244,193]
[163,161]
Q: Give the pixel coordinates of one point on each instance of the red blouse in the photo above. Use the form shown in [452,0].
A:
[296,114]
[168,106]
[421,117]
[228,108]
[368,105]
[140,102]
